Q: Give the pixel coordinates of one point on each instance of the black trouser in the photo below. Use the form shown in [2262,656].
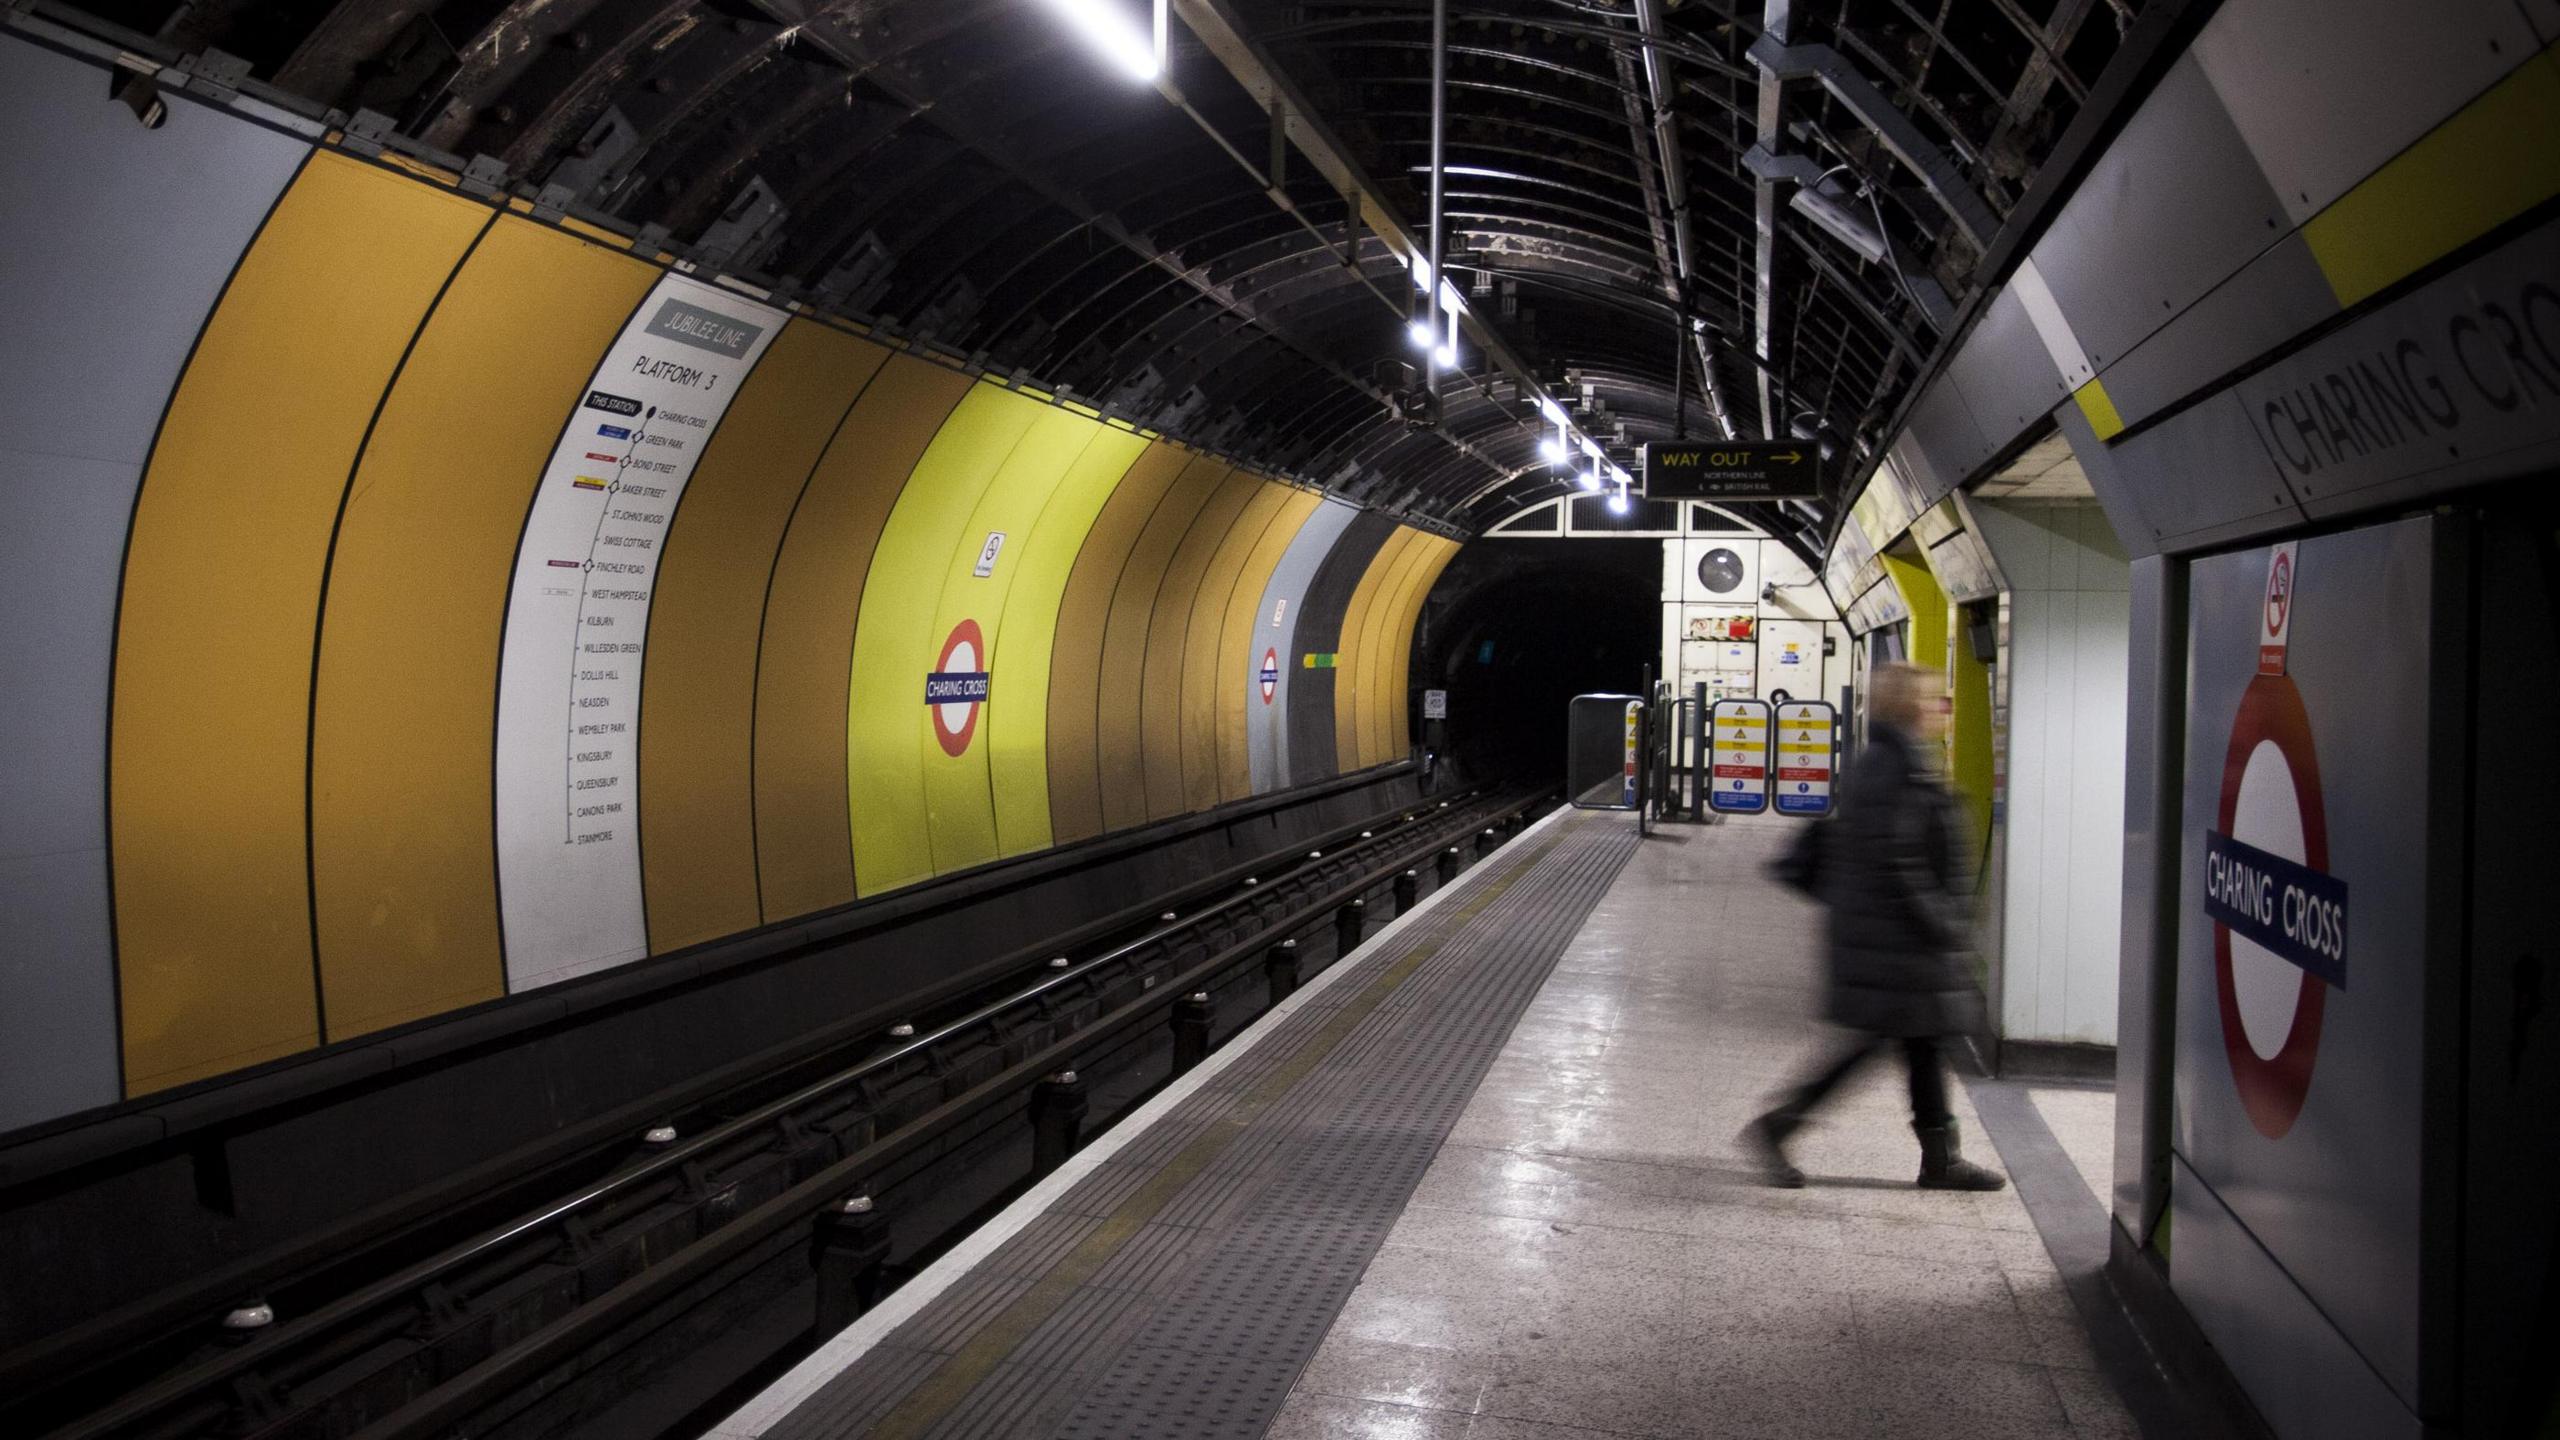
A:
[1928,1076]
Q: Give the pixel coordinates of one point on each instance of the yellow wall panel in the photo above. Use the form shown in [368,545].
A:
[1084,611]
[1349,649]
[403,860]
[211,722]
[1239,657]
[1119,724]
[1395,726]
[697,705]
[1377,642]
[1019,712]
[892,651]
[1169,641]
[804,841]
[960,802]
[1206,669]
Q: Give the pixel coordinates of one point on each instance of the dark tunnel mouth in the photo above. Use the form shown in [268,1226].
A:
[1513,649]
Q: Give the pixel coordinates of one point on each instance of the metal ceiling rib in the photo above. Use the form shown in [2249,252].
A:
[966,171]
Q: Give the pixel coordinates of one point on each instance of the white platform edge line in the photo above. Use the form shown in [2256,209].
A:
[829,1360]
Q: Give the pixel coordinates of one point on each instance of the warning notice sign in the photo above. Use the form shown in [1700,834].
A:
[1804,758]
[1739,757]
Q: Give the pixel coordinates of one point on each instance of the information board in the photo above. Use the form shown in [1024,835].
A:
[1739,742]
[578,623]
[1804,758]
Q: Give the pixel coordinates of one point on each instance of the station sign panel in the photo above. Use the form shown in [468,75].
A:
[2311,949]
[1738,744]
[1805,729]
[1732,470]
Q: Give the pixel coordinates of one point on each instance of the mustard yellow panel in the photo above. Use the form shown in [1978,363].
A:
[1205,670]
[403,859]
[1084,611]
[1377,647]
[214,653]
[960,799]
[804,838]
[1395,736]
[1351,647]
[1020,716]
[1161,713]
[1119,727]
[697,711]
[894,648]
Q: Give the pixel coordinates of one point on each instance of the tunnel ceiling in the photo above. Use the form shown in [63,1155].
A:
[968,171]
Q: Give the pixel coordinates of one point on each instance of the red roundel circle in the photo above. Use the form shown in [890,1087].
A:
[2272,1087]
[964,654]
[2279,594]
[1269,676]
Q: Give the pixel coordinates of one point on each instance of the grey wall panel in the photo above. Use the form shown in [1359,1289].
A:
[1275,626]
[2273,298]
[2302,1375]
[2004,372]
[2146,946]
[2202,478]
[117,240]
[2115,494]
[1945,429]
[2174,205]
[2325,91]
[1319,632]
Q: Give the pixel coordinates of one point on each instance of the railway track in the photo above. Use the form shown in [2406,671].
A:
[761,1211]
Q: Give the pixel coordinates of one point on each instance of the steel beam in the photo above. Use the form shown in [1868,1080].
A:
[1675,185]
[1780,61]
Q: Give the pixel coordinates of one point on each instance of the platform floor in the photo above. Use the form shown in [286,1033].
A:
[1589,1253]
[1480,1181]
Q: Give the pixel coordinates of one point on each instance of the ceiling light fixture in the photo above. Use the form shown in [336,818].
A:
[1107,27]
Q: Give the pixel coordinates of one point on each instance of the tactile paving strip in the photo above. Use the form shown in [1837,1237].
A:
[1177,1299]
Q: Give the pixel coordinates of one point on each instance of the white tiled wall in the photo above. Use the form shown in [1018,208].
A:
[2070,610]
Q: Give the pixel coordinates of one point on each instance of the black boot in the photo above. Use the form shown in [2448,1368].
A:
[1943,1166]
[1766,1140]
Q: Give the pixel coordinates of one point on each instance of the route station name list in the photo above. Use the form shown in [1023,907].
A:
[578,624]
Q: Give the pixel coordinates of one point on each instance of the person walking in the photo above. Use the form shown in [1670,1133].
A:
[1891,875]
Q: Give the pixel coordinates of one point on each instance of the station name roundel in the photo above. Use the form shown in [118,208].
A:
[957,687]
[2280,919]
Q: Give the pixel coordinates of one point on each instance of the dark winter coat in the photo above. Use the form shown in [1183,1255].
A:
[1894,881]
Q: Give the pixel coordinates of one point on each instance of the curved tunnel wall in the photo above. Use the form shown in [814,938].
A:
[427,602]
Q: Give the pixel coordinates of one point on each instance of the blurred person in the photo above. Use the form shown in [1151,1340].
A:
[1890,873]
